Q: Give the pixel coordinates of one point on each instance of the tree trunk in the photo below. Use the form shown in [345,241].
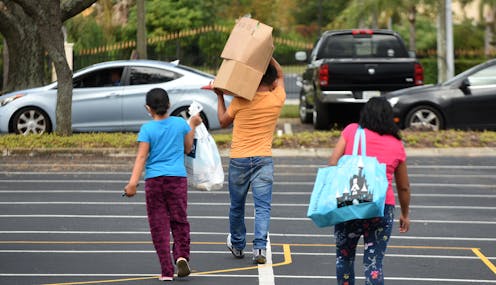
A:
[441,44]
[489,44]
[26,56]
[52,39]
[5,64]
[412,17]
[141,32]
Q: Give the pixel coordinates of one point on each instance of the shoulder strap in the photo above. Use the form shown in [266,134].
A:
[360,137]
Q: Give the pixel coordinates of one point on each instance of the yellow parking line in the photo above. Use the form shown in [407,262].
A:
[484,259]
[105,281]
[287,260]
[286,250]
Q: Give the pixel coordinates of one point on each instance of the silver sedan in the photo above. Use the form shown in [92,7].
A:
[110,97]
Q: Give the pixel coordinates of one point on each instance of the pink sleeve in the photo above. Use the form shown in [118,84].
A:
[349,136]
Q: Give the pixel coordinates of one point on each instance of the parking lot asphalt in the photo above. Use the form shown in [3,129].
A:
[63,221]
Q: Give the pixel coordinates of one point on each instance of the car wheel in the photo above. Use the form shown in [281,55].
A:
[303,108]
[424,118]
[321,116]
[183,112]
[31,120]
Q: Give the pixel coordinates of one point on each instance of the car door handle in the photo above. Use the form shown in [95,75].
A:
[113,95]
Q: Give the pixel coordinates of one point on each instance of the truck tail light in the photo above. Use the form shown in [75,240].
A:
[419,74]
[362,32]
[324,75]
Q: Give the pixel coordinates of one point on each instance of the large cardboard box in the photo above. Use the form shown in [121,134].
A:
[246,55]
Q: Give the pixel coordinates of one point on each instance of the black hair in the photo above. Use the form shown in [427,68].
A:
[158,100]
[377,116]
[269,76]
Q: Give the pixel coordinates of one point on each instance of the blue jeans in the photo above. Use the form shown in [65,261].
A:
[257,172]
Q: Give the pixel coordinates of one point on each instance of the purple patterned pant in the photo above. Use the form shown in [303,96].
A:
[376,233]
[166,205]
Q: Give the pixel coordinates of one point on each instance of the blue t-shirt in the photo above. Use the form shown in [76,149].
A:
[166,139]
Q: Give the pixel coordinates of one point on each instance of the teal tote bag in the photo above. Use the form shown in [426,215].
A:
[353,189]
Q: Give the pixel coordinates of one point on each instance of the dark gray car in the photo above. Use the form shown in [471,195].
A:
[467,101]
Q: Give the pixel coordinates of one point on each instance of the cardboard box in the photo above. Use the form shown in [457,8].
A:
[246,55]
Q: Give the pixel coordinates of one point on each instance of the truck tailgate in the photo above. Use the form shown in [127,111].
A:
[370,74]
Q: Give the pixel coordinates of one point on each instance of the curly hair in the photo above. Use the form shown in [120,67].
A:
[377,116]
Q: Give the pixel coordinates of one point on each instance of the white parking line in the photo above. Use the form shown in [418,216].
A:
[292,183]
[266,272]
[305,235]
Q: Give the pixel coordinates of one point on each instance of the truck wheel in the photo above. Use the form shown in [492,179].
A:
[424,118]
[321,116]
[304,111]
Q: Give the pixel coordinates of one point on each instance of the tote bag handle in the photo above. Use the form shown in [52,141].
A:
[359,137]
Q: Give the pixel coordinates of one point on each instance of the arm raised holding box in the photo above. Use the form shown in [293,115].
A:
[280,76]
[224,119]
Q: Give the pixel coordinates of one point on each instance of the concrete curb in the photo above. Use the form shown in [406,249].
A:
[277,152]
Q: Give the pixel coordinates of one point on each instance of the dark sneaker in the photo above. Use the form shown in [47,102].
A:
[259,256]
[238,253]
[183,268]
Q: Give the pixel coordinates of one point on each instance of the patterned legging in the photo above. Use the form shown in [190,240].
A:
[376,233]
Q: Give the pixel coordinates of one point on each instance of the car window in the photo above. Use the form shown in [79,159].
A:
[100,78]
[362,45]
[486,76]
[149,75]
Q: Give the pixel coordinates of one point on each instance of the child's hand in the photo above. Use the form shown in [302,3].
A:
[130,190]
[218,92]
[404,224]
[195,120]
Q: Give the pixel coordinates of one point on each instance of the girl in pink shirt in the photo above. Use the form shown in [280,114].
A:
[383,142]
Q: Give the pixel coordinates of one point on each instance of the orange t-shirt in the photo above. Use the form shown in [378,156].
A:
[254,123]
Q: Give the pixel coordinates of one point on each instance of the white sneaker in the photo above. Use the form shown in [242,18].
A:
[259,256]
[183,268]
[238,253]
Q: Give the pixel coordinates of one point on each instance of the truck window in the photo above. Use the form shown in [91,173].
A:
[362,46]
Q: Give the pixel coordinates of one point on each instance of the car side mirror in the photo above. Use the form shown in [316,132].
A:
[412,54]
[465,87]
[301,56]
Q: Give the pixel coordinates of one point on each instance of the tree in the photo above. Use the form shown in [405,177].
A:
[378,13]
[311,16]
[488,13]
[30,29]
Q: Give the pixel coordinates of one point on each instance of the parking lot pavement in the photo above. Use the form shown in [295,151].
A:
[64,222]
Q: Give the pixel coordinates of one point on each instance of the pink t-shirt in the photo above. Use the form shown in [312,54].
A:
[386,148]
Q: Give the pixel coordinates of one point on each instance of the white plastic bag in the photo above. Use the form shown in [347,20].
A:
[203,163]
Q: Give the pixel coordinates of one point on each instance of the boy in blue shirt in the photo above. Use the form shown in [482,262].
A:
[162,145]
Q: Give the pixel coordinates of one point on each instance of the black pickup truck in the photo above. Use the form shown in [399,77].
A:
[347,67]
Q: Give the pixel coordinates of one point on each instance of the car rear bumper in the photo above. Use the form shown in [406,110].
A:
[348,96]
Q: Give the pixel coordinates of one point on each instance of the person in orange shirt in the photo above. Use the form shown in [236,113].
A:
[251,163]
